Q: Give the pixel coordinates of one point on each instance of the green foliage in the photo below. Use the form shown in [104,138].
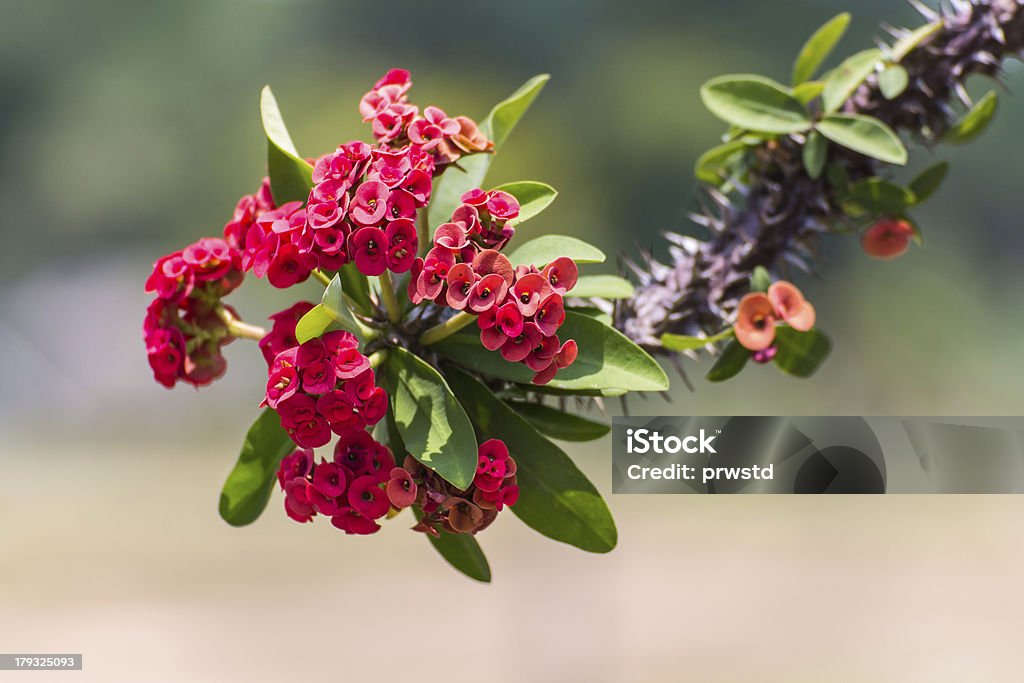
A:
[818,47]
[755,103]
[893,81]
[356,288]
[291,176]
[472,169]
[432,424]
[815,154]
[866,135]
[876,196]
[606,360]
[902,48]
[543,250]
[558,424]
[332,309]
[928,182]
[678,342]
[974,122]
[801,353]
[713,166]
[555,498]
[462,552]
[607,286]
[732,361]
[533,197]
[760,279]
[847,77]
[247,488]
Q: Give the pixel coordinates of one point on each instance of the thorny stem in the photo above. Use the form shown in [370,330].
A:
[447,328]
[321,276]
[387,294]
[240,329]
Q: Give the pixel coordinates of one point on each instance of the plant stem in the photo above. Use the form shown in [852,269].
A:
[240,329]
[423,229]
[447,328]
[387,294]
[321,276]
[378,357]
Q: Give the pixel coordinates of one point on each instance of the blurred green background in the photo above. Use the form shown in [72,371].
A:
[130,129]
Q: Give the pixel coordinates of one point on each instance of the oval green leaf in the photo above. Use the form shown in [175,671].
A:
[604,286]
[876,196]
[866,135]
[929,181]
[247,489]
[432,424]
[541,251]
[606,360]
[815,154]
[755,103]
[678,342]
[471,170]
[974,122]
[801,353]
[712,166]
[847,77]
[818,47]
[893,81]
[291,176]
[558,424]
[555,498]
[732,361]
[533,197]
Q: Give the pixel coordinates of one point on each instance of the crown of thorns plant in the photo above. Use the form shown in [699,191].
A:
[426,367]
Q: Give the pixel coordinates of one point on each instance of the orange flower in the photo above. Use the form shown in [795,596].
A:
[887,239]
[755,322]
[790,305]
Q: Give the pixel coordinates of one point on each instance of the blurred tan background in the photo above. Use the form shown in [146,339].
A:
[129,129]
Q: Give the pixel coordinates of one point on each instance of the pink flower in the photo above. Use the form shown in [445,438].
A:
[349,363]
[468,218]
[550,314]
[351,521]
[339,410]
[755,322]
[528,292]
[165,348]
[542,355]
[296,501]
[297,465]
[375,407]
[369,205]
[509,320]
[289,267]
[366,497]
[518,348]
[475,197]
[401,204]
[329,479]
[402,244]
[390,167]
[491,261]
[401,488]
[790,305]
[488,292]
[461,279]
[561,274]
[296,410]
[450,236]
[282,334]
[369,250]
[311,433]
[282,385]
[502,205]
[418,184]
[327,204]
[354,450]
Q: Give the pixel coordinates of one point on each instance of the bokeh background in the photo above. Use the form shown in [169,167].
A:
[129,129]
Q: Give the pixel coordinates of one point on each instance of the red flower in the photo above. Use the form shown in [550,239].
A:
[550,314]
[369,250]
[402,244]
[401,488]
[528,291]
[561,274]
[366,497]
[370,203]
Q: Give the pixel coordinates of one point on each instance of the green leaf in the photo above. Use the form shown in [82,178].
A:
[807,92]
[847,77]
[733,359]
[472,169]
[605,286]
[974,122]
[291,176]
[875,196]
[335,305]
[866,135]
[760,279]
[606,360]
[312,325]
[800,353]
[710,167]
[815,154]
[928,182]
[356,288]
[893,81]
[593,312]
[247,488]
[543,250]
[678,342]
[431,423]
[818,47]
[555,498]
[558,424]
[533,197]
[902,48]
[462,552]
[755,103]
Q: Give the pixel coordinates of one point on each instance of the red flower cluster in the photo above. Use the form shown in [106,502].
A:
[462,512]
[249,208]
[282,334]
[396,122]
[519,309]
[325,385]
[347,489]
[182,329]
